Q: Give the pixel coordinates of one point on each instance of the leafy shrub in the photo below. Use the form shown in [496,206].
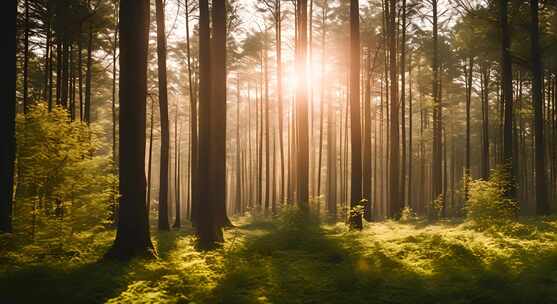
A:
[435,208]
[487,204]
[407,214]
[63,187]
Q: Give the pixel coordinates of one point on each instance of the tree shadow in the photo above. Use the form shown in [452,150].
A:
[87,283]
[311,265]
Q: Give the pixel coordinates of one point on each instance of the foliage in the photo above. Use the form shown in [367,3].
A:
[64,187]
[435,208]
[407,214]
[487,204]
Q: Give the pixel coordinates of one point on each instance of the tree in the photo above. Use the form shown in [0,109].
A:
[506,75]
[217,165]
[302,134]
[355,125]
[132,236]
[208,229]
[163,104]
[394,159]
[542,206]
[7,110]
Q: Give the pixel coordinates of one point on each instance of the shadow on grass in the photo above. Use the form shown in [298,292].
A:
[307,264]
[87,283]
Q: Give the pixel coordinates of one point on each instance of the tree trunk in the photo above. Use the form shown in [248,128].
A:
[163,106]
[542,205]
[302,119]
[366,174]
[132,236]
[26,60]
[8,113]
[394,153]
[217,165]
[506,73]
[355,124]
[193,127]
[88,76]
[278,45]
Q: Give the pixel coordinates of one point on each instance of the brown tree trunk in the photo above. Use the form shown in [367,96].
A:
[208,228]
[132,236]
[163,106]
[506,73]
[542,205]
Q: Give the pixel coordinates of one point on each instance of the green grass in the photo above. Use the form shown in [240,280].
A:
[282,261]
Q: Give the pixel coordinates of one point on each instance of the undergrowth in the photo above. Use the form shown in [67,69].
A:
[293,260]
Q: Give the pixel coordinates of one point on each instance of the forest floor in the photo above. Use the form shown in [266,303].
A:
[282,261]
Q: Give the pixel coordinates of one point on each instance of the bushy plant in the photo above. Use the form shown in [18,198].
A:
[407,214]
[63,185]
[435,208]
[487,203]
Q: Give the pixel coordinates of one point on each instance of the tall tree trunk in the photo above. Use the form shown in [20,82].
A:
[193,126]
[367,158]
[322,96]
[177,203]
[394,153]
[207,226]
[506,74]
[238,201]
[542,205]
[402,46]
[150,161]
[132,236]
[217,165]
[163,106]
[467,172]
[26,59]
[8,113]
[267,133]
[355,124]
[485,123]
[437,153]
[302,134]
[114,119]
[278,45]
[88,76]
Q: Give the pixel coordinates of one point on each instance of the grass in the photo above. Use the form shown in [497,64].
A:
[283,261]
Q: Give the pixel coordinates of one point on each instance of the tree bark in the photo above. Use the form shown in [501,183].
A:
[355,124]
[542,205]
[8,113]
[163,107]
[132,236]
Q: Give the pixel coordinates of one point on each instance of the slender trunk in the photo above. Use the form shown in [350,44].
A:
[302,134]
[394,153]
[163,107]
[506,73]
[26,60]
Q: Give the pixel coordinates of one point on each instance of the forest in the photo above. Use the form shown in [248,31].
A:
[279,151]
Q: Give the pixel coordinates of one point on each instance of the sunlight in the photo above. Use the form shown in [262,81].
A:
[312,79]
